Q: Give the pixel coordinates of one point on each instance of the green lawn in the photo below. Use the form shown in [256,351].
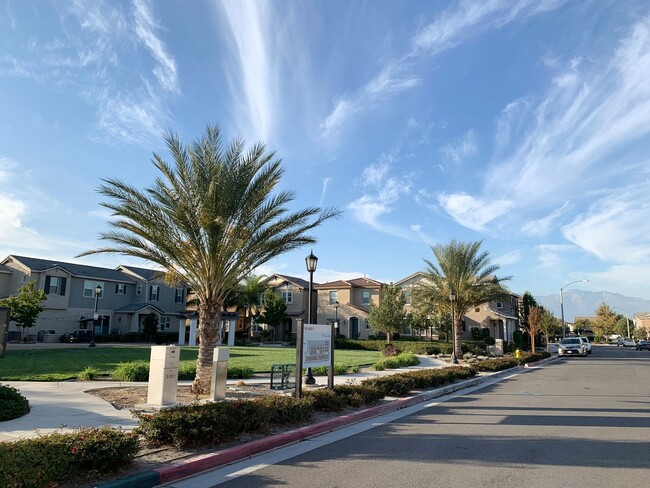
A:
[63,364]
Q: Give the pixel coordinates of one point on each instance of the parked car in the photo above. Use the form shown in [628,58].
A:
[628,342]
[643,345]
[572,346]
[587,343]
[81,336]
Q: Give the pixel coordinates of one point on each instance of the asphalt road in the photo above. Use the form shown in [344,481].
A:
[573,422]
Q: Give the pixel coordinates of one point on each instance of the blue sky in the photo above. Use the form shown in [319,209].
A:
[522,123]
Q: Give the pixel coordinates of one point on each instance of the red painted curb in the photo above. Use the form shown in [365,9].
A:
[227,456]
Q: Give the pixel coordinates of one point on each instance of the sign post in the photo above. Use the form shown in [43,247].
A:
[5,317]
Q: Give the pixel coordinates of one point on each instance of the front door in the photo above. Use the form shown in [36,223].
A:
[354,328]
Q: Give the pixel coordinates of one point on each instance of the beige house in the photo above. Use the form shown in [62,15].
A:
[500,318]
[348,303]
[642,324]
[295,293]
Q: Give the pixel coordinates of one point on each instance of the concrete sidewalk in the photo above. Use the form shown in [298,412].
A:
[65,405]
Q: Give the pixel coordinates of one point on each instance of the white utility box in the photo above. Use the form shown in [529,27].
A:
[163,375]
[219,373]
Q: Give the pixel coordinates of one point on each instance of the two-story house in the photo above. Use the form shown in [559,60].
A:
[105,300]
[295,293]
[500,318]
[348,303]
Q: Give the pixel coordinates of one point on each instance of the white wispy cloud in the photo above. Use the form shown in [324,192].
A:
[511,257]
[252,76]
[458,24]
[541,227]
[464,148]
[572,142]
[324,191]
[551,255]
[145,28]
[87,56]
[471,212]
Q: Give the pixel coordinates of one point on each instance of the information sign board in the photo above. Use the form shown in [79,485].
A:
[316,345]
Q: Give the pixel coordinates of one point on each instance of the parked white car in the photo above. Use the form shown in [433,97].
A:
[572,346]
[629,342]
[587,343]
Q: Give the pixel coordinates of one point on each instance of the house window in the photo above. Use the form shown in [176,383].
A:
[287,296]
[24,278]
[180,295]
[334,297]
[120,289]
[154,291]
[89,288]
[499,304]
[407,296]
[138,289]
[165,323]
[55,285]
[408,331]
[365,297]
[260,299]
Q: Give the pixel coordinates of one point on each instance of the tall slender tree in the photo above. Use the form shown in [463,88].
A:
[389,316]
[463,269]
[211,217]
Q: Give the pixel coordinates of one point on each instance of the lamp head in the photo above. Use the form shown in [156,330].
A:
[98,290]
[311,261]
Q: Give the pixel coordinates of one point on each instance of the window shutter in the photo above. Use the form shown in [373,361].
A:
[116,288]
[150,292]
[62,287]
[47,283]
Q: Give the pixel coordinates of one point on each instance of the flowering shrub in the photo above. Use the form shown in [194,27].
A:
[215,423]
[12,403]
[401,361]
[52,458]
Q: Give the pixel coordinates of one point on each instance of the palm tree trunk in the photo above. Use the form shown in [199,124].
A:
[209,323]
[457,331]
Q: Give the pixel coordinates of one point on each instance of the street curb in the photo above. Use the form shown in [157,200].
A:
[204,462]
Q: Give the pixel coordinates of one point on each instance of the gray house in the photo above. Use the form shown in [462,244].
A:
[121,298]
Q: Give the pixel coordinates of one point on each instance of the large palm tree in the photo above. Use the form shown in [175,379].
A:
[209,219]
[464,270]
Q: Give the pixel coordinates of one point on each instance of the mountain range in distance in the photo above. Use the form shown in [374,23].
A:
[580,303]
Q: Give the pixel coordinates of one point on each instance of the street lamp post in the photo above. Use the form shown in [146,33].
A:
[562,303]
[627,318]
[311,261]
[336,317]
[98,291]
[454,359]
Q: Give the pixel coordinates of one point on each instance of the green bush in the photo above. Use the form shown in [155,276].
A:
[339,369]
[89,373]
[393,385]
[359,395]
[415,347]
[12,404]
[531,357]
[50,459]
[215,423]
[132,371]
[139,371]
[325,400]
[401,361]
[497,364]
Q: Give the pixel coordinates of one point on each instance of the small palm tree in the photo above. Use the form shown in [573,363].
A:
[247,295]
[465,271]
[209,220]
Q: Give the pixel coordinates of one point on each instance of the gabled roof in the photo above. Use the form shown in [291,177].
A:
[144,274]
[354,283]
[4,269]
[299,282]
[417,274]
[136,307]
[77,270]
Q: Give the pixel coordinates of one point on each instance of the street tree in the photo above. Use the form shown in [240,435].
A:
[549,326]
[463,269]
[247,296]
[275,309]
[150,327]
[528,302]
[389,316]
[621,326]
[605,323]
[581,325]
[534,324]
[26,306]
[211,217]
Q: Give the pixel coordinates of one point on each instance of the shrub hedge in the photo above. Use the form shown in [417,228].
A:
[139,371]
[506,362]
[402,384]
[12,404]
[215,423]
[415,347]
[53,458]
[338,369]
